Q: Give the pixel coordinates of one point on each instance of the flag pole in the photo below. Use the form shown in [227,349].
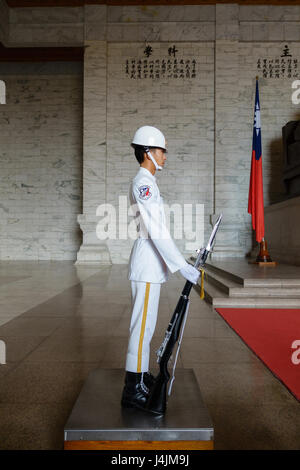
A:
[263,258]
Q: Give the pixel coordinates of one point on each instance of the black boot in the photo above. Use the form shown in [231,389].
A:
[148,379]
[135,392]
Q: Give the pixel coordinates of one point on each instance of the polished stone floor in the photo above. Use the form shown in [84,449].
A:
[59,321]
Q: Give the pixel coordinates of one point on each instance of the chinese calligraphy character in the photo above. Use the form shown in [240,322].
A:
[157,68]
[148,51]
[295,68]
[174,68]
[286,52]
[139,69]
[172,50]
[194,68]
[163,68]
[145,68]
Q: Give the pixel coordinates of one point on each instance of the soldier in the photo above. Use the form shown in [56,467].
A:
[153,255]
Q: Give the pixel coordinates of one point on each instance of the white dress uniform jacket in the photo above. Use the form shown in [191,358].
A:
[154,252]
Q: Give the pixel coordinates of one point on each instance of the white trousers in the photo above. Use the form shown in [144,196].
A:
[145,301]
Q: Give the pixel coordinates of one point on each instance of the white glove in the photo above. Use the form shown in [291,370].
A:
[190,273]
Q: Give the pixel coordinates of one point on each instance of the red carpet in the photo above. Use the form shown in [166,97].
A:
[270,334]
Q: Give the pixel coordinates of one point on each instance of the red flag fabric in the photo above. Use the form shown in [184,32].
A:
[256,193]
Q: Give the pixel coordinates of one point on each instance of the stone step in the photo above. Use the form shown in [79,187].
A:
[220,281]
[218,298]
[237,302]
[211,292]
[209,267]
[234,289]
[262,277]
[277,292]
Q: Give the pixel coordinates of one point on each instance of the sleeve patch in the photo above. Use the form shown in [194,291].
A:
[144,192]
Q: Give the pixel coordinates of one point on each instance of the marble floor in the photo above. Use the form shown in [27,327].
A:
[59,321]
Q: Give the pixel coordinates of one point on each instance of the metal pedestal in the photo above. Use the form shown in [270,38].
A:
[98,421]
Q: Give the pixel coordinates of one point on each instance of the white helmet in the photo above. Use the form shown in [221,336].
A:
[149,136]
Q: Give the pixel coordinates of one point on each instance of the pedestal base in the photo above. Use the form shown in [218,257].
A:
[92,250]
[264,263]
[98,421]
[93,255]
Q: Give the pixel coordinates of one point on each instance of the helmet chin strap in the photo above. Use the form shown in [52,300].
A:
[157,167]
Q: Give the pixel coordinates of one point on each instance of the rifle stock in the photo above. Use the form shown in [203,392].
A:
[157,400]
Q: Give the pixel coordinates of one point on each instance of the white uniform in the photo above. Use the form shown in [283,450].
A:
[153,254]
[151,257]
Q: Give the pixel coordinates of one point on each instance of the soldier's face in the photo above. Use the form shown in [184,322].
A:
[160,156]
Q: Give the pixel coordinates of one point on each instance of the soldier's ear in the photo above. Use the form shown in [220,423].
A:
[146,155]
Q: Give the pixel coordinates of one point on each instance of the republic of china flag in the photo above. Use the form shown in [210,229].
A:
[256,194]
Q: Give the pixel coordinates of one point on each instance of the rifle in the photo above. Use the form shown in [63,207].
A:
[157,399]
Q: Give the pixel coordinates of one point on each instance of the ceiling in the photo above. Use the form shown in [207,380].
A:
[78,3]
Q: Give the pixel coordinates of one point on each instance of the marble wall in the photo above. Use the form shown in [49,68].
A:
[182,108]
[46,26]
[41,161]
[208,122]
[283,229]
[269,23]
[277,109]
[71,26]
[4,21]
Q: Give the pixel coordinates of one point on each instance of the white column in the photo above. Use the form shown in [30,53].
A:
[92,250]
[226,189]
